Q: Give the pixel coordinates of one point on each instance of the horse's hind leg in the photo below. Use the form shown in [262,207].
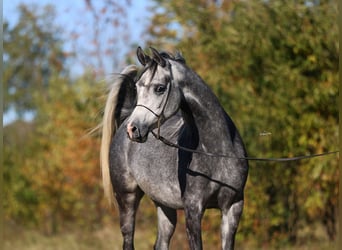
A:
[128,204]
[230,220]
[167,219]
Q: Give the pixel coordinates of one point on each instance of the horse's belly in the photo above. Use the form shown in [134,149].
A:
[164,194]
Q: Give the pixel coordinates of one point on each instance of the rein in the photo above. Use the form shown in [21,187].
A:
[285,159]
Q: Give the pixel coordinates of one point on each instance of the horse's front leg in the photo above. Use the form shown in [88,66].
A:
[167,220]
[193,217]
[128,204]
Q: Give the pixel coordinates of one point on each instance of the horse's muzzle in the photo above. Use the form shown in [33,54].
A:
[135,133]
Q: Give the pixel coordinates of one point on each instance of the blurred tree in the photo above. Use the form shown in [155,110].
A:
[274,67]
[51,171]
[19,199]
[109,33]
[32,53]
[64,172]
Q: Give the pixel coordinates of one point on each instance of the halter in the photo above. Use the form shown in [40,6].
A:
[161,115]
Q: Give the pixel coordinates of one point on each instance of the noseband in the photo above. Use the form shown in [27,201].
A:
[161,115]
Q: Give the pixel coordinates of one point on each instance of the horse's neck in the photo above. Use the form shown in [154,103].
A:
[205,112]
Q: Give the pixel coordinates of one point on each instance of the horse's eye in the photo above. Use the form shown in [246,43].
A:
[159,89]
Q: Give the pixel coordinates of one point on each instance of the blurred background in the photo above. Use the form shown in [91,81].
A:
[273,64]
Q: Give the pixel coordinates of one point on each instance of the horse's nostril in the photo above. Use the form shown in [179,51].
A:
[137,133]
[131,129]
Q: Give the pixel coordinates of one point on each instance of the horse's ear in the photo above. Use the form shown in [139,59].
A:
[158,58]
[142,57]
[179,57]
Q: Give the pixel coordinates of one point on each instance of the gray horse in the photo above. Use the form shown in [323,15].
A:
[169,100]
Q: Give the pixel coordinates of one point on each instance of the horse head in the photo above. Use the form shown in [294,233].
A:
[158,94]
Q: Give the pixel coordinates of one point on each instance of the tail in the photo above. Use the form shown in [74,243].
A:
[110,123]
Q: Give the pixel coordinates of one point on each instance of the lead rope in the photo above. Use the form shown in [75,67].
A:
[297,158]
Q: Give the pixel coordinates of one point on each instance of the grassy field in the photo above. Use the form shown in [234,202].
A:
[106,238]
[109,238]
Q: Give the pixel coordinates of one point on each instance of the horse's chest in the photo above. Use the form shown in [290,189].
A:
[157,175]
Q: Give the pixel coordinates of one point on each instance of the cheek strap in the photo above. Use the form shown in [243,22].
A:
[161,115]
